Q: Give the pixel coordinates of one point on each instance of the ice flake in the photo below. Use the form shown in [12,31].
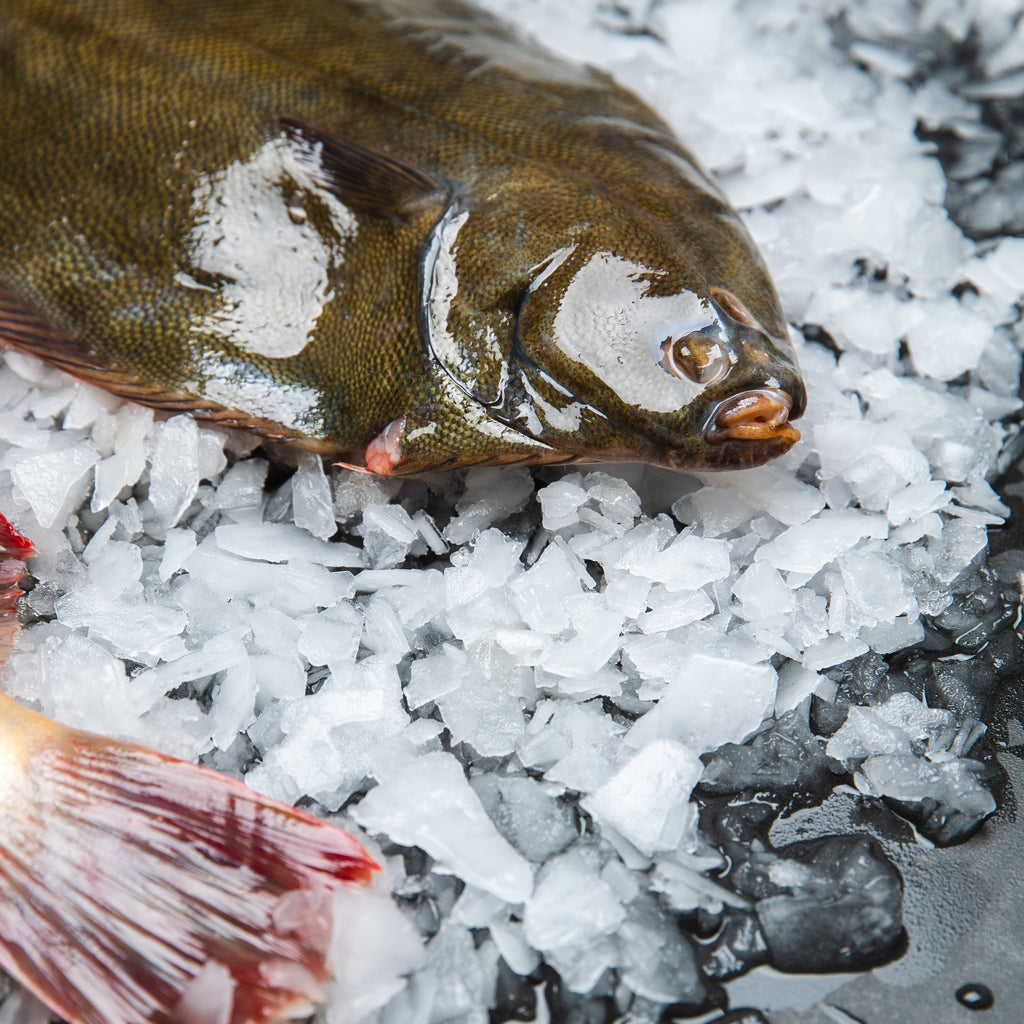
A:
[374,947]
[174,471]
[647,800]
[240,491]
[311,498]
[560,502]
[430,804]
[56,481]
[571,907]
[392,520]
[178,546]
[711,701]
[491,495]
[541,592]
[668,611]
[688,563]
[762,592]
[811,545]
[947,341]
[772,489]
[493,560]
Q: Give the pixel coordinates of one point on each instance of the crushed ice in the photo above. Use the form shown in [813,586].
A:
[515,673]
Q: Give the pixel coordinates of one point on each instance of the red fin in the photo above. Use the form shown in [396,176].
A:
[138,888]
[13,548]
[12,543]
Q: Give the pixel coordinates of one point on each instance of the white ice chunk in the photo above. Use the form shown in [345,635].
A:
[571,907]
[887,637]
[311,497]
[833,650]
[669,611]
[493,560]
[491,495]
[712,701]
[174,471]
[212,460]
[560,502]
[240,492]
[55,482]
[282,542]
[999,274]
[647,800]
[331,637]
[392,520]
[374,947]
[796,683]
[296,587]
[809,546]
[875,586]
[762,592]
[113,474]
[917,500]
[541,592]
[430,804]
[948,341]
[769,488]
[688,563]
[178,546]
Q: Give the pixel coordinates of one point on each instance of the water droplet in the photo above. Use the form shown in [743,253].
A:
[297,214]
[975,996]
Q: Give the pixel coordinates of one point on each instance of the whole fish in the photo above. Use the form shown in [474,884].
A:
[388,230]
[139,889]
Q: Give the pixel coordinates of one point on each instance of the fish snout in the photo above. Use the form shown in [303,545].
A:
[761,414]
[752,426]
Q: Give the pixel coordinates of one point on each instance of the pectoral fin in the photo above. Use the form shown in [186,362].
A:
[366,180]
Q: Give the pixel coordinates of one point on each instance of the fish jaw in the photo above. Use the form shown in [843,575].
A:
[759,415]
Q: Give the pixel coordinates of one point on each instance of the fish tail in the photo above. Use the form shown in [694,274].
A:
[138,888]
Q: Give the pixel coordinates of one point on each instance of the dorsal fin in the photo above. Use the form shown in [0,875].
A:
[365,180]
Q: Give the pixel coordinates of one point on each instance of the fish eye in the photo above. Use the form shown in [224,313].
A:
[699,356]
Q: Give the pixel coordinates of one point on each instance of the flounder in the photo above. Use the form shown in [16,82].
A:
[391,231]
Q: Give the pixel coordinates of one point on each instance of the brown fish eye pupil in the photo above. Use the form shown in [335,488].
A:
[696,356]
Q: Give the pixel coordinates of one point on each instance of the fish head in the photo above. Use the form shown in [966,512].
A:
[625,350]
[586,329]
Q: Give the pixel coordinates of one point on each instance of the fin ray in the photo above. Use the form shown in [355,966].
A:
[174,868]
[367,180]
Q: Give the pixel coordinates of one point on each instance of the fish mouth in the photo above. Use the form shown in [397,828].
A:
[762,414]
[747,429]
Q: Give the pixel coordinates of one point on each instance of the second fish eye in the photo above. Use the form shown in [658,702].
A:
[697,356]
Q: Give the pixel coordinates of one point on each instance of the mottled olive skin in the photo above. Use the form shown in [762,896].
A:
[164,233]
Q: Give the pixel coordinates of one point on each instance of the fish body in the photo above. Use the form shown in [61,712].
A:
[394,232]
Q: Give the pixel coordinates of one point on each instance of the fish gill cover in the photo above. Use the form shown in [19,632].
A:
[534,692]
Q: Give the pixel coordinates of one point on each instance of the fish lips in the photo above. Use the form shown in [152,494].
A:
[749,427]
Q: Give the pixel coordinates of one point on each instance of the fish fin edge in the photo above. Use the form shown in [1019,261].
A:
[367,180]
[23,328]
[141,879]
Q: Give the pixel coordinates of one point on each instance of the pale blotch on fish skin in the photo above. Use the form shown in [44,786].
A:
[276,271]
